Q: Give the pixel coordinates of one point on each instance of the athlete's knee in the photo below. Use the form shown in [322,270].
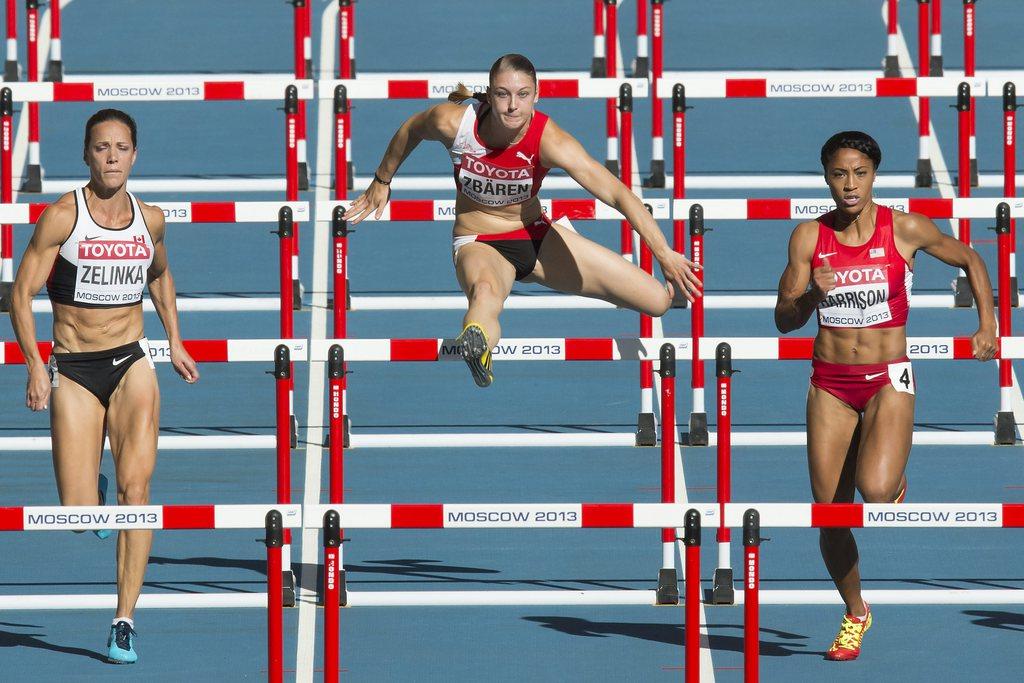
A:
[878,490]
[483,290]
[133,492]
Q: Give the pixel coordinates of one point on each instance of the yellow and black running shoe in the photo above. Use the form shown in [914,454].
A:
[477,354]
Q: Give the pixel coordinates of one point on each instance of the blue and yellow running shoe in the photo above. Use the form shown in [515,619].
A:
[120,644]
[103,484]
[477,353]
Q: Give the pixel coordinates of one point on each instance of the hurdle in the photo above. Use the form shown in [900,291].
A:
[11,66]
[275,520]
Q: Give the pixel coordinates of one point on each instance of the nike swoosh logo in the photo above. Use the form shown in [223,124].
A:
[118,361]
[874,376]
[831,253]
[94,237]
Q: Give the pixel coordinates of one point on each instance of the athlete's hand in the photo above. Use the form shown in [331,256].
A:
[372,201]
[823,280]
[37,393]
[183,364]
[983,344]
[679,273]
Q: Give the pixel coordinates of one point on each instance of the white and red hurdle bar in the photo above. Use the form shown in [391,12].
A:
[276,520]
[334,517]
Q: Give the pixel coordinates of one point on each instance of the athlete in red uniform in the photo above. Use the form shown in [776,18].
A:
[501,148]
[854,266]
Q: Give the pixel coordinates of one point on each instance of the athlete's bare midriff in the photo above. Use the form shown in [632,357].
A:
[858,346]
[77,329]
[476,219]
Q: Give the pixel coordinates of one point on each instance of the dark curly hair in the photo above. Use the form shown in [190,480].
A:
[851,139]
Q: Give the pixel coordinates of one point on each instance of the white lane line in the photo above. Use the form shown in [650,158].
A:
[307,593]
[945,184]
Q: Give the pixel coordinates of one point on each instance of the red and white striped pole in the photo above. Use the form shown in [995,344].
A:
[679,162]
[55,69]
[691,625]
[291,162]
[611,128]
[936,39]
[751,595]
[332,596]
[667,370]
[336,422]
[657,177]
[6,194]
[962,291]
[1010,164]
[924,162]
[339,226]
[347,69]
[641,63]
[284,443]
[1006,433]
[11,61]
[33,180]
[970,25]
[698,414]
[597,64]
[626,169]
[285,225]
[275,539]
[892,64]
[300,52]
[722,589]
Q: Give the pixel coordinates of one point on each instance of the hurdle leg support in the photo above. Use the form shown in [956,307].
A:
[722,590]
[698,435]
[657,178]
[892,66]
[288,588]
[11,70]
[597,67]
[924,174]
[5,296]
[55,71]
[641,67]
[346,434]
[962,295]
[646,433]
[1005,429]
[668,586]
[33,180]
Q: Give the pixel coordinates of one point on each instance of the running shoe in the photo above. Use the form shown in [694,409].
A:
[846,646]
[477,354]
[120,644]
[102,534]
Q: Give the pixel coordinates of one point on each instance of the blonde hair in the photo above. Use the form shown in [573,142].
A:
[462,93]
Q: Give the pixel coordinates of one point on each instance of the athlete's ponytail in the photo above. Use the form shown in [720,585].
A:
[462,93]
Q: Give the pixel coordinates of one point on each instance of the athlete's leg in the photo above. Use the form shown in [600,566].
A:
[486,278]
[885,445]
[133,421]
[76,424]
[833,432]
[570,263]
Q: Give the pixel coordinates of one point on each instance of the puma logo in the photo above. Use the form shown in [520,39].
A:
[527,159]
[118,361]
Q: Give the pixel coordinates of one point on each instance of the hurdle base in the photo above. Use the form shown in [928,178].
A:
[613,166]
[297,291]
[923,177]
[962,295]
[892,66]
[646,433]
[974,172]
[597,67]
[1006,430]
[5,296]
[657,177]
[698,434]
[303,176]
[348,298]
[722,591]
[679,299]
[641,67]
[33,180]
[11,71]
[55,71]
[346,434]
[288,588]
[668,587]
[293,431]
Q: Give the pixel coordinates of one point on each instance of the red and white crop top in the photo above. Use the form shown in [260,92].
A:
[99,267]
[497,177]
[873,281]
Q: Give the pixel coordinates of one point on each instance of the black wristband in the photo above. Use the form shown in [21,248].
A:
[377,178]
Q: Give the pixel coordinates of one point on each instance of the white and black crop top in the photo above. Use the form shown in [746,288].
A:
[100,267]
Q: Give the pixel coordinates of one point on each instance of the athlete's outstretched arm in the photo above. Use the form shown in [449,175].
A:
[165,301]
[922,234]
[435,123]
[559,149]
[796,302]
